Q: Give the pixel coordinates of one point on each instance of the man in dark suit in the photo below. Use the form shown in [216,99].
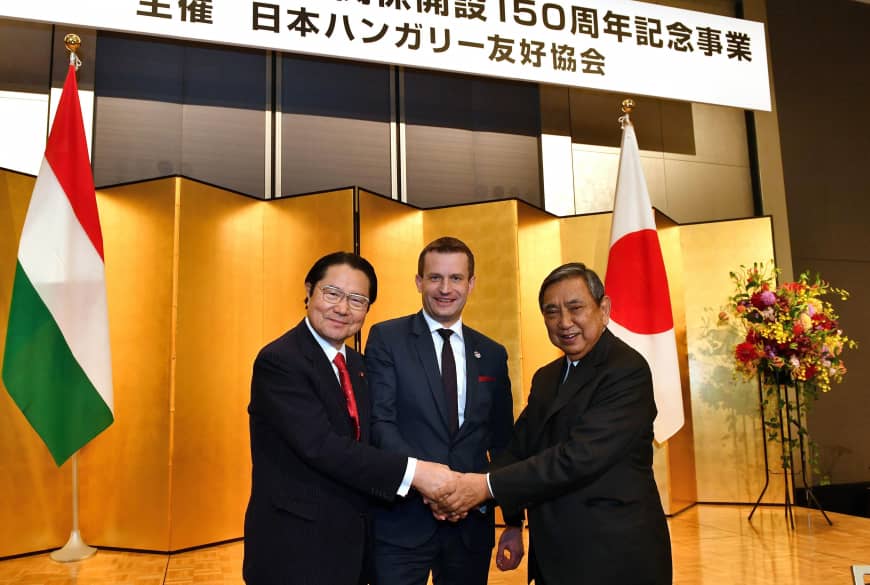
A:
[580,461]
[441,392]
[307,521]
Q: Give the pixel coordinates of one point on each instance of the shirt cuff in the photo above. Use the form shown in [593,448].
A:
[405,486]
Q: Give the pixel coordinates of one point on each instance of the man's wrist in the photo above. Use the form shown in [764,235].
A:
[408,478]
[489,486]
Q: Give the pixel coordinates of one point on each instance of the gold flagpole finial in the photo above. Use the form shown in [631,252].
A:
[73,42]
[627,106]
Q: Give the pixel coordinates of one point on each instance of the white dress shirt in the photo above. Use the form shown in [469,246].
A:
[457,344]
[331,352]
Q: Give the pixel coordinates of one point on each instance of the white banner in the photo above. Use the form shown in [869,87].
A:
[614,45]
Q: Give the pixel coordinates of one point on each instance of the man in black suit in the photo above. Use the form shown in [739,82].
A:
[307,521]
[441,392]
[580,461]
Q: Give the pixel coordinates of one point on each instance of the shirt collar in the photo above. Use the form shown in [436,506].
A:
[327,347]
[434,325]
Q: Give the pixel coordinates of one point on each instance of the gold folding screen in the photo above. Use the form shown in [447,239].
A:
[390,237]
[125,473]
[727,433]
[539,251]
[490,230]
[587,239]
[34,494]
[199,279]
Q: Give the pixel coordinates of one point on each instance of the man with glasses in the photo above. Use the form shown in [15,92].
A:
[313,470]
[441,392]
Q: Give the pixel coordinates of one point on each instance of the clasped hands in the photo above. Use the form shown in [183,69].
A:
[450,494]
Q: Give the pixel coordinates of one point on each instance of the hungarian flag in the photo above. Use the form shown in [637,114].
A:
[57,365]
[637,285]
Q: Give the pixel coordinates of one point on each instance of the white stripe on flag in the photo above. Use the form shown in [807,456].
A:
[68,274]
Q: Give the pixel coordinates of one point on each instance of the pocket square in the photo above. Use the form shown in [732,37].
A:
[485,379]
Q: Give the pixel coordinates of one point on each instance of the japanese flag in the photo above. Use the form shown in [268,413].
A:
[638,287]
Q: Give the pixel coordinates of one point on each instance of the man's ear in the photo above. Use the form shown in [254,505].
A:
[308,289]
[605,308]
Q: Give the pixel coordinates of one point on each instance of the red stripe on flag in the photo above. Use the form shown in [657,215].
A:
[638,285]
[67,153]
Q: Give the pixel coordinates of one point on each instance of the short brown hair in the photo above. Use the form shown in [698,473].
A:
[446,245]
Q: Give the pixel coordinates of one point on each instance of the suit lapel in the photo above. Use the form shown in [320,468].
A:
[425,348]
[544,399]
[562,394]
[360,392]
[565,391]
[328,385]
[473,396]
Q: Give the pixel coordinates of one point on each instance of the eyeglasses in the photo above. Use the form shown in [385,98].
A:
[334,295]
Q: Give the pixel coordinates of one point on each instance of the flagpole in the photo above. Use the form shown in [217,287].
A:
[75,548]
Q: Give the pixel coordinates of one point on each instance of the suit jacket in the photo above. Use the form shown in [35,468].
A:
[307,518]
[580,464]
[409,416]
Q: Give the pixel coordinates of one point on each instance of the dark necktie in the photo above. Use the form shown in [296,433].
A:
[569,371]
[448,381]
[347,387]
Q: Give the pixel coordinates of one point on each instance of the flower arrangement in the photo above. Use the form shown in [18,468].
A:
[790,333]
[791,337]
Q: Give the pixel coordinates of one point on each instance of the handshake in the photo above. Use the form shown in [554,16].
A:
[450,494]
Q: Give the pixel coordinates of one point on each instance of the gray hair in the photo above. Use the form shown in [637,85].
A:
[573,270]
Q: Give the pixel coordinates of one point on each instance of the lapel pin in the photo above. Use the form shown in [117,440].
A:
[477,354]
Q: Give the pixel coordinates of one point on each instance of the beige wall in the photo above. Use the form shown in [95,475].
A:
[825,146]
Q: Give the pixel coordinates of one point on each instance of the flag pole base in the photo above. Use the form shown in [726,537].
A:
[75,549]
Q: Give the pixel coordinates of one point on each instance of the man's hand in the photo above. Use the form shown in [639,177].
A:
[510,549]
[466,492]
[433,480]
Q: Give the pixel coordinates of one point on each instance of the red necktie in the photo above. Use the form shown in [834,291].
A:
[347,387]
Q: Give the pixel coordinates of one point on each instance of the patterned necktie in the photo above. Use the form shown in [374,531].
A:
[448,381]
[347,387]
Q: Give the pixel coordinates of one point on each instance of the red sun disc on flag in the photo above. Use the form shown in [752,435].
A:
[637,284]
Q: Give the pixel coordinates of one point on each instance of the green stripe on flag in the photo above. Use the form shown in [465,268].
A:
[45,380]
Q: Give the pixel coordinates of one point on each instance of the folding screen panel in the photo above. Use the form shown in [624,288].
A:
[296,232]
[218,330]
[539,252]
[124,473]
[490,230]
[727,426]
[35,493]
[390,237]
